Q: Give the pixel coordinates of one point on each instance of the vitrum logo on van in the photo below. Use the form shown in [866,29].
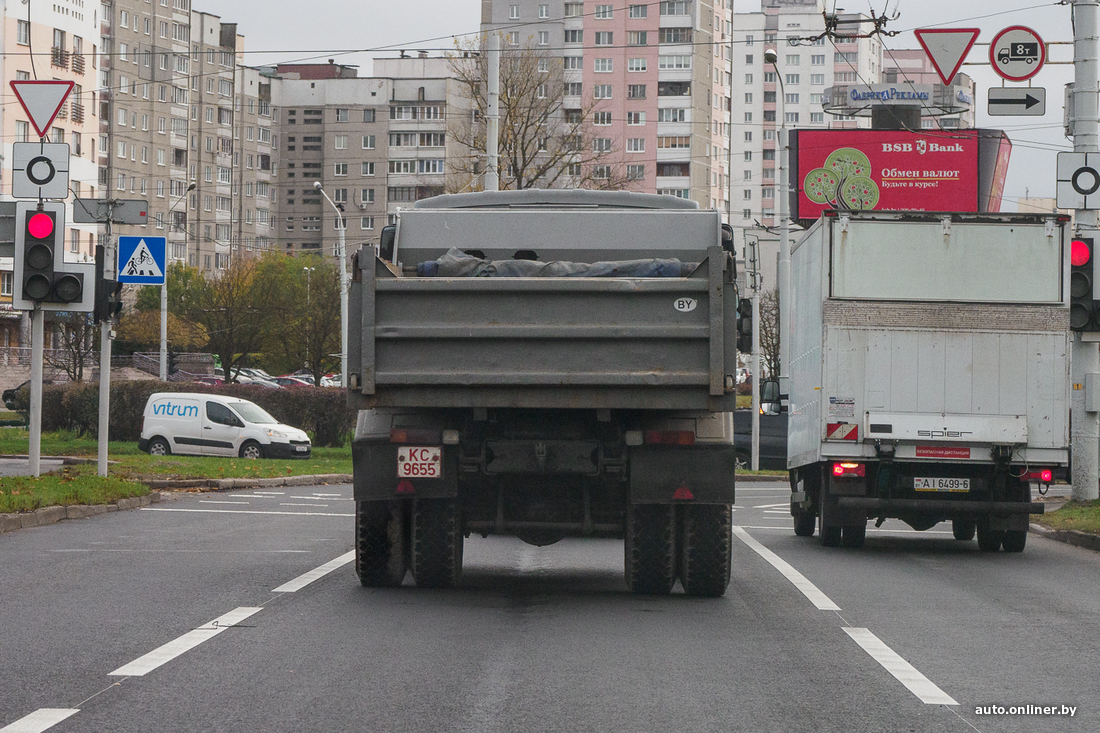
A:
[174,410]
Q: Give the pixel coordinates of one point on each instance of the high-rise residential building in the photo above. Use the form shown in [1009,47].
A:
[51,41]
[912,65]
[654,76]
[375,144]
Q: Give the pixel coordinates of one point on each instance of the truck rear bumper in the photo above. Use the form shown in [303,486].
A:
[701,473]
[940,506]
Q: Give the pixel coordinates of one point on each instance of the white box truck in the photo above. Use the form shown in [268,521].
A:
[929,375]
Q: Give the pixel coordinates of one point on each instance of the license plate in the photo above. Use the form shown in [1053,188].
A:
[419,462]
[941,484]
[301,448]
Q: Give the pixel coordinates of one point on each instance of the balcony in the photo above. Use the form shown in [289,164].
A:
[78,64]
[59,58]
[78,114]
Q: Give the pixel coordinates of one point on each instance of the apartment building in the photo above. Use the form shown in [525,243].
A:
[657,73]
[912,65]
[375,145]
[187,127]
[57,41]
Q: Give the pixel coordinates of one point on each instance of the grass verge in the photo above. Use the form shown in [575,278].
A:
[26,493]
[1081,516]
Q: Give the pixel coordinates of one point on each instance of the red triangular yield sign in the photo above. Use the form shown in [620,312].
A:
[946,48]
[41,100]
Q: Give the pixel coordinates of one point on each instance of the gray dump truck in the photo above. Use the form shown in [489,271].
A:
[546,364]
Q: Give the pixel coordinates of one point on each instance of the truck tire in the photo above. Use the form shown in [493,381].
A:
[989,540]
[804,523]
[436,556]
[830,533]
[705,555]
[381,556]
[855,534]
[650,548]
[1014,540]
[963,529]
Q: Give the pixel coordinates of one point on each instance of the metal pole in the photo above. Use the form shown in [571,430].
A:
[756,357]
[783,271]
[103,434]
[1085,356]
[492,123]
[34,448]
[343,262]
[164,330]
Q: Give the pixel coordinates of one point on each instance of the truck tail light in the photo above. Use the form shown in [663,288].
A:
[670,437]
[418,436]
[1044,475]
[852,470]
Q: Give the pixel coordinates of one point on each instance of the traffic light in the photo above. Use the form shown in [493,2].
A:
[1082,308]
[744,325]
[108,293]
[173,362]
[42,277]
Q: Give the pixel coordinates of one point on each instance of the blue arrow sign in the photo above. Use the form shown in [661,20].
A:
[141,260]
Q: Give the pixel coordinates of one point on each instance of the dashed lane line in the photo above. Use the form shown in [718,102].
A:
[811,591]
[162,655]
[39,720]
[244,511]
[306,578]
[905,673]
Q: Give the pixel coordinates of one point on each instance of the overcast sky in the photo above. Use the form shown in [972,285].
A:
[297,31]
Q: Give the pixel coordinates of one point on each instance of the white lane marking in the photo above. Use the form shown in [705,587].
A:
[268,493]
[905,673]
[164,654]
[786,504]
[787,528]
[323,498]
[39,720]
[777,511]
[799,581]
[244,511]
[317,494]
[306,578]
[286,503]
[249,496]
[216,501]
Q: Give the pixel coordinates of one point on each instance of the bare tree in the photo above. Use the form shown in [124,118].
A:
[547,138]
[769,333]
[74,344]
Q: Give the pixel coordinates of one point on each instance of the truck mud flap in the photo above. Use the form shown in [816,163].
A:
[375,474]
[940,506]
[700,473]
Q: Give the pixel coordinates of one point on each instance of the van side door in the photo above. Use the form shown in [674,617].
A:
[221,430]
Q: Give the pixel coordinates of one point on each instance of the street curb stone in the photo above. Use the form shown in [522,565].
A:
[52,514]
[1069,536]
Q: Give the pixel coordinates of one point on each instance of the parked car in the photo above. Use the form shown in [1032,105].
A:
[9,395]
[242,379]
[214,425]
[773,439]
[291,382]
[209,380]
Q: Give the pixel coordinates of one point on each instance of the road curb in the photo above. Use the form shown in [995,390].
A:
[755,479]
[52,514]
[1069,536]
[221,484]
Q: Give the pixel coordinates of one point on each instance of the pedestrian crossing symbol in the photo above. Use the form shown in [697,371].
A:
[141,260]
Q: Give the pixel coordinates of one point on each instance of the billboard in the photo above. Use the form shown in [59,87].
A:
[897,170]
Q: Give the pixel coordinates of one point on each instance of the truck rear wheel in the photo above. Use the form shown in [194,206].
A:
[989,540]
[381,556]
[828,531]
[705,555]
[1014,540]
[804,523]
[650,548]
[963,529]
[436,543]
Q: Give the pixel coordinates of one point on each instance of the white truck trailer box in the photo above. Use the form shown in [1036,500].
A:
[929,376]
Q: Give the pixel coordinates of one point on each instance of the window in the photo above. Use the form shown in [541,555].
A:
[638,11]
[367,169]
[636,38]
[635,91]
[747,194]
[769,77]
[603,12]
[368,142]
[748,156]
[366,195]
[341,142]
[368,115]
[676,7]
[790,117]
[790,98]
[635,145]
[342,115]
[635,172]
[792,78]
[602,91]
[748,78]
[340,195]
[768,192]
[340,169]
[605,38]
[793,59]
[670,114]
[817,59]
[601,172]
[677,141]
[572,63]
[601,118]
[574,36]
[747,175]
[544,38]
[842,77]
[748,136]
[681,193]
[402,166]
[846,57]
[513,38]
[544,11]
[573,89]
[748,40]
[23,35]
[430,166]
[432,139]
[817,79]
[7,282]
[674,89]
[574,10]
[674,35]
[601,144]
[678,61]
[769,115]
[366,222]
[604,66]
[817,117]
[635,118]
[636,65]
[513,12]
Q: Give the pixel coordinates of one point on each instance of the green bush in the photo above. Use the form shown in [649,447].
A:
[321,411]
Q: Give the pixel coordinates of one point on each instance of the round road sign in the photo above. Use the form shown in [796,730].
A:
[1017,53]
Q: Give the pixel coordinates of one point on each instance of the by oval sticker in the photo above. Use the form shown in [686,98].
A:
[685,305]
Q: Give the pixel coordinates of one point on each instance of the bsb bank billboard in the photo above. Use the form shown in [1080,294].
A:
[897,170]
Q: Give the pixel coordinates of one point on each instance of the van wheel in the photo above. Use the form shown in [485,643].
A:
[251,450]
[159,447]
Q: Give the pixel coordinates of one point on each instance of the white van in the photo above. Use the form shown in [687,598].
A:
[213,425]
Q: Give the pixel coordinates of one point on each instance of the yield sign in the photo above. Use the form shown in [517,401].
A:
[946,48]
[41,100]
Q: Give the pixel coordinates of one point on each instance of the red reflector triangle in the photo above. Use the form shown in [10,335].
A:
[683,493]
[405,487]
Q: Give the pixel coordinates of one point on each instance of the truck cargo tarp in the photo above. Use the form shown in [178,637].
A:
[457,263]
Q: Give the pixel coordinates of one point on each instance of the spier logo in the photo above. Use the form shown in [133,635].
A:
[922,146]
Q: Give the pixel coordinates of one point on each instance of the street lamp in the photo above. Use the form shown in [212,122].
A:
[164,298]
[784,269]
[343,263]
[308,271]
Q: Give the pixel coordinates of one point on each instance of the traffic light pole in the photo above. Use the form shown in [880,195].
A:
[1085,355]
[34,448]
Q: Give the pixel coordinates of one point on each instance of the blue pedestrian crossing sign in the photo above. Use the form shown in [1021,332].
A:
[141,260]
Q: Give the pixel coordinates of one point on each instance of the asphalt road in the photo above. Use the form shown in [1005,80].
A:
[107,626]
